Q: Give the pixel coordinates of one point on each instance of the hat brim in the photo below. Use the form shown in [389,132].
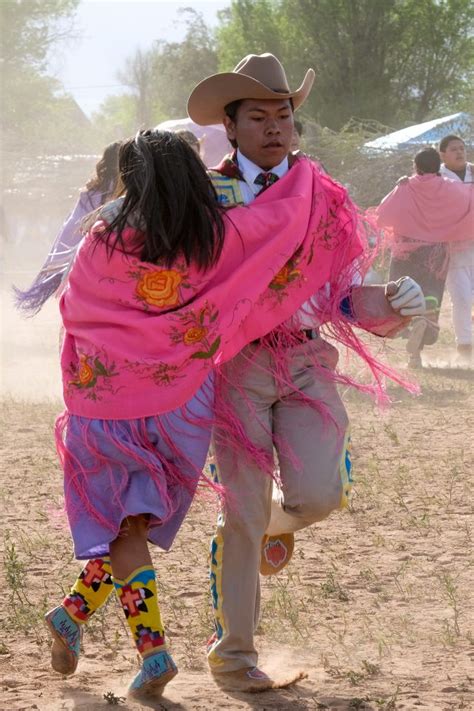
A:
[208,99]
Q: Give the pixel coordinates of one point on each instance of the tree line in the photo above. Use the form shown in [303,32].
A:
[37,114]
[393,61]
[396,62]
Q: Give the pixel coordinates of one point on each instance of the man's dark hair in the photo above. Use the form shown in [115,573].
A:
[231,111]
[232,108]
[298,127]
[444,143]
[427,161]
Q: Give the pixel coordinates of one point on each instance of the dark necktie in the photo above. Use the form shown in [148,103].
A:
[265,180]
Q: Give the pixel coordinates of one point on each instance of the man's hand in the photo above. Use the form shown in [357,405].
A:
[406,297]
[403,180]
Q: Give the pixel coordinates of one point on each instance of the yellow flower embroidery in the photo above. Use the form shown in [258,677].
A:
[86,372]
[194,335]
[160,288]
[284,277]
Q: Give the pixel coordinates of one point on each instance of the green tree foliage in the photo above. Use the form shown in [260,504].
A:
[433,69]
[36,113]
[116,118]
[395,61]
[138,75]
[179,66]
[30,28]
[252,27]
[161,79]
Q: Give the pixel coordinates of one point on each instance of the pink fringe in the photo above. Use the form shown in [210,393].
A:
[339,328]
[170,472]
[167,472]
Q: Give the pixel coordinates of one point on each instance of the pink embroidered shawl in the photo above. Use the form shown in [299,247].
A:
[140,338]
[428,208]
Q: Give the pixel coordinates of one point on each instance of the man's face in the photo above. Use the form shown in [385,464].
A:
[263,129]
[454,157]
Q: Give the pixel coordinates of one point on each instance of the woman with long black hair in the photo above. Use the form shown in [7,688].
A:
[165,286]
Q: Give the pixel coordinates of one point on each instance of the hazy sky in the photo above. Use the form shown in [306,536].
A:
[111,30]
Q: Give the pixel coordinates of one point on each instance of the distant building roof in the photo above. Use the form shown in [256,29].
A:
[426,133]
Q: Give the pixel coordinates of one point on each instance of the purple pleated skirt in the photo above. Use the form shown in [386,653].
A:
[119,468]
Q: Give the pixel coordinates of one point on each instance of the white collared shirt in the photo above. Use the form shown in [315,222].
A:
[462,253]
[447,173]
[250,171]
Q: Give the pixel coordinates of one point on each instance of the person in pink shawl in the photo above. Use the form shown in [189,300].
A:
[424,216]
[156,300]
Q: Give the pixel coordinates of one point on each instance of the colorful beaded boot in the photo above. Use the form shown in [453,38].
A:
[66,640]
[139,600]
[89,592]
[157,670]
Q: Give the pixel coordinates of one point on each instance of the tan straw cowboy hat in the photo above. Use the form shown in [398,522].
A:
[256,76]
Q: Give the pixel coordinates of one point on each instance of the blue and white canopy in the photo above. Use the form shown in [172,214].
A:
[461,124]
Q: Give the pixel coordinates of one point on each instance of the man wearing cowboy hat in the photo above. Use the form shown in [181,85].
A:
[256,105]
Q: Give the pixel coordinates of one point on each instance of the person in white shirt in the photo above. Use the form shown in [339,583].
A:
[460,278]
[256,106]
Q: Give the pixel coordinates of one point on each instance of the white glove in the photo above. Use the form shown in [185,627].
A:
[406,297]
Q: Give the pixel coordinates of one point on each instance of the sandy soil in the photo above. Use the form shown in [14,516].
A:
[375,605]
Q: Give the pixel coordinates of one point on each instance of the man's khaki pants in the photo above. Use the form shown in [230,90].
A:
[314,468]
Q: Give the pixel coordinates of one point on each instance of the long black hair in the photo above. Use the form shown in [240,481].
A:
[169,197]
[106,172]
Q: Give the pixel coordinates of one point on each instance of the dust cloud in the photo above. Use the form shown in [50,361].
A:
[29,348]
[40,193]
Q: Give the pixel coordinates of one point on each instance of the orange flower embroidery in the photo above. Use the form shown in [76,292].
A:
[284,276]
[86,372]
[159,288]
[194,335]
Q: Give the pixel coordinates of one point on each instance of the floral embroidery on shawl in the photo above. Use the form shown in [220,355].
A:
[288,274]
[159,287]
[92,373]
[197,329]
[329,230]
[165,326]
[194,330]
[161,374]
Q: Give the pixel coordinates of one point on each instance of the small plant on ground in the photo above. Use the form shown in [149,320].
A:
[332,588]
[112,699]
[451,629]
[358,704]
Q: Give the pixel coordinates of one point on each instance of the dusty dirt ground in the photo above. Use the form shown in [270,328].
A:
[376,605]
